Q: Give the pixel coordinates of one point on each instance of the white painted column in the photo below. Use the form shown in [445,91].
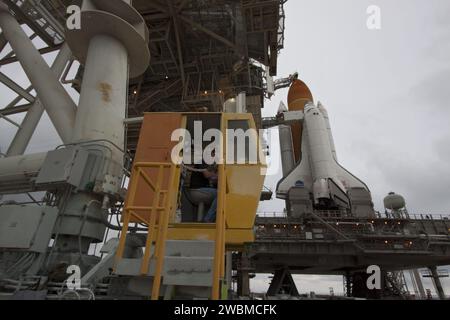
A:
[103,94]
[241,103]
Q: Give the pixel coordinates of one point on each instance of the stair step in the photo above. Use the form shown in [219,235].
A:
[188,271]
[186,263]
[181,271]
[190,248]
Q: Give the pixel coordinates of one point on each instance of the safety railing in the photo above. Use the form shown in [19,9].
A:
[219,252]
[428,216]
[345,215]
[158,217]
[271,214]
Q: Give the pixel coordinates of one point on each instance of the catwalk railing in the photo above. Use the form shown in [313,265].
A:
[413,234]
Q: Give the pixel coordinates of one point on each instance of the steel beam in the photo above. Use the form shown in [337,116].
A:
[178,40]
[17,99]
[437,282]
[182,5]
[3,41]
[282,282]
[416,278]
[157,7]
[21,15]
[9,120]
[15,110]
[8,60]
[59,105]
[209,32]
[16,88]
[243,283]
[34,114]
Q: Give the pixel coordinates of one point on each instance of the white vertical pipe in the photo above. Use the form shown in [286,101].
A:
[241,103]
[60,107]
[103,94]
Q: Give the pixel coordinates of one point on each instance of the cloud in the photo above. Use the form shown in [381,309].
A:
[432,93]
[424,184]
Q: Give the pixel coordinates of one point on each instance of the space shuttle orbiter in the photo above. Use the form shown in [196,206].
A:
[316,167]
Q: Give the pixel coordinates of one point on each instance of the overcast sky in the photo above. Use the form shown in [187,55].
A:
[387,93]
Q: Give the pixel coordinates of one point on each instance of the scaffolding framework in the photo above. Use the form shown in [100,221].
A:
[202,53]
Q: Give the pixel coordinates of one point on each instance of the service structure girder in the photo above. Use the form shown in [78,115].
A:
[59,105]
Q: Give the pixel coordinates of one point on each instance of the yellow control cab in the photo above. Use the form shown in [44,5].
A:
[169,159]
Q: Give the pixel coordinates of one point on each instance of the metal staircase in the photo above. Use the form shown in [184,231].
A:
[173,268]
[155,217]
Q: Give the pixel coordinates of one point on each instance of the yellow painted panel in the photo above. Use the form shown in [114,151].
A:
[152,148]
[244,183]
[244,191]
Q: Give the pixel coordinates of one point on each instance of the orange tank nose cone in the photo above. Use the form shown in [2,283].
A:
[299,94]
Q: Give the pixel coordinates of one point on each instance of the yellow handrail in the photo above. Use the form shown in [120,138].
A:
[156,211]
[169,197]
[219,253]
[163,225]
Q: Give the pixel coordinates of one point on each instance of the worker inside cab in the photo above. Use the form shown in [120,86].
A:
[203,191]
[199,187]
[211,174]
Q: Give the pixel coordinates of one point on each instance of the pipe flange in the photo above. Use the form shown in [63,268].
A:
[133,36]
[120,9]
[126,12]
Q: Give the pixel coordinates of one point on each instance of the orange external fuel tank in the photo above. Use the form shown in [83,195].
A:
[299,95]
